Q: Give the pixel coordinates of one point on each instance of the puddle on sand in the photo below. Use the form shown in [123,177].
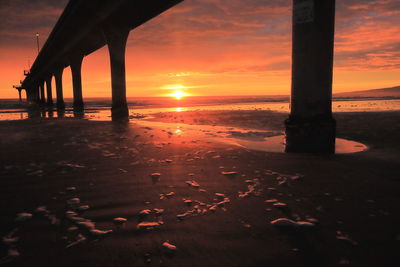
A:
[277,144]
[252,139]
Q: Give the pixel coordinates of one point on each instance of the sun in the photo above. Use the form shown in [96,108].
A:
[178,91]
[178,94]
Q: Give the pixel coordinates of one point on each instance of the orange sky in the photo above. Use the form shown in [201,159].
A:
[214,47]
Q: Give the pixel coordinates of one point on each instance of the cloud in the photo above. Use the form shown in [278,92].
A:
[21,19]
[226,36]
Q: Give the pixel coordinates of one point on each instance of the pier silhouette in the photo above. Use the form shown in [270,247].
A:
[87,25]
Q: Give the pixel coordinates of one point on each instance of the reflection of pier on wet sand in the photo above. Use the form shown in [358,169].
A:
[111,168]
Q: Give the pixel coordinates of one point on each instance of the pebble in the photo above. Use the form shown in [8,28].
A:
[72,228]
[229,174]
[24,216]
[41,209]
[182,216]
[120,221]
[155,175]
[222,203]
[158,212]
[80,238]
[170,194]
[169,246]
[12,252]
[78,219]
[148,225]
[188,202]
[220,195]
[53,219]
[99,233]
[145,212]
[10,240]
[71,189]
[73,201]
[280,205]
[305,224]
[285,222]
[83,207]
[70,214]
[193,183]
[213,208]
[87,224]
[344,237]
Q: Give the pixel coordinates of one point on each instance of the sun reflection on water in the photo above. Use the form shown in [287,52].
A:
[178,131]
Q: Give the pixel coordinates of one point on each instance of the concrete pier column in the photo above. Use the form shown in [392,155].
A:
[59,88]
[28,95]
[31,95]
[49,91]
[19,95]
[310,127]
[116,40]
[42,95]
[76,69]
[36,94]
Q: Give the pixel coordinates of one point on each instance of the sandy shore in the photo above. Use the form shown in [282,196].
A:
[352,199]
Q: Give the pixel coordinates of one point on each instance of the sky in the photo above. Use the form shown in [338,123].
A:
[212,47]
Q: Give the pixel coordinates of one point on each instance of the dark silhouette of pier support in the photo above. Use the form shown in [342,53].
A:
[59,88]
[310,127]
[42,94]
[116,41]
[76,69]
[19,88]
[49,91]
[29,95]
[35,93]
[20,95]
[84,27]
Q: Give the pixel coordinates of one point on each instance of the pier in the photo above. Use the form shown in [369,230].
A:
[84,27]
[87,25]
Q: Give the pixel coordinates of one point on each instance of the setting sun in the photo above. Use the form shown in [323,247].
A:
[177,91]
[178,94]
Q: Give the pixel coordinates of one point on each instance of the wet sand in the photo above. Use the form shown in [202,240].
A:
[353,197]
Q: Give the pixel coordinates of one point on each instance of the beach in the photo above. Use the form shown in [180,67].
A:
[225,195]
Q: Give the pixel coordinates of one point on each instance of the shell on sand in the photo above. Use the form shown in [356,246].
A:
[280,205]
[148,225]
[158,211]
[145,212]
[87,224]
[97,232]
[193,183]
[169,246]
[285,222]
[229,174]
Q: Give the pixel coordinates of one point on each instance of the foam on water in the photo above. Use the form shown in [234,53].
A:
[96,111]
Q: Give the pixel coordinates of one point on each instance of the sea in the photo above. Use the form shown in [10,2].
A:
[100,108]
